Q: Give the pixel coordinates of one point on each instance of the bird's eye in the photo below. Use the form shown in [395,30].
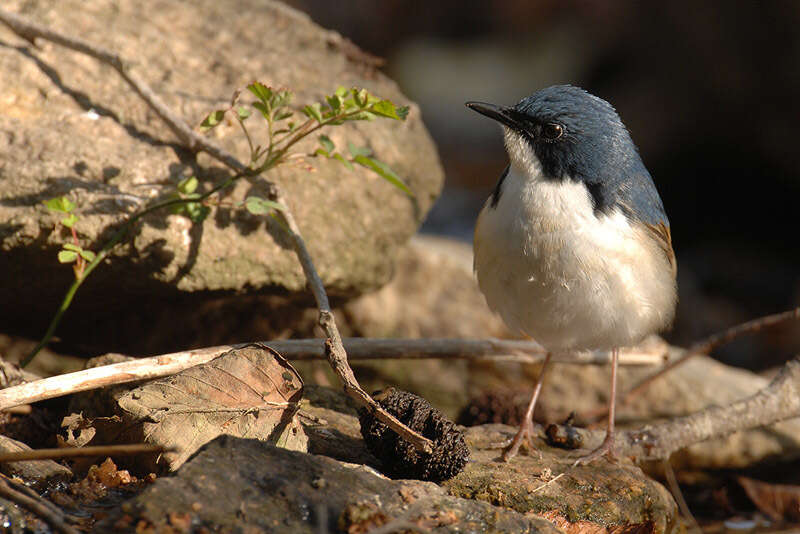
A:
[552,131]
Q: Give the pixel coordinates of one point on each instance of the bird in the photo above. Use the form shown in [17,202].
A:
[573,246]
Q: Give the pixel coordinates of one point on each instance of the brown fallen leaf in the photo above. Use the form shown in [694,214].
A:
[78,430]
[250,392]
[777,501]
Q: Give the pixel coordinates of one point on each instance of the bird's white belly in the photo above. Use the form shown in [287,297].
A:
[565,276]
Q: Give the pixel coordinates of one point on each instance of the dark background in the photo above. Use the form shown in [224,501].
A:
[709,90]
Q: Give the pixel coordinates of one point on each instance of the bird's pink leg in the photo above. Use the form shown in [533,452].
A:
[526,427]
[607,447]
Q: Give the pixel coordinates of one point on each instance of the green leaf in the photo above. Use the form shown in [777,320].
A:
[358,151]
[72,247]
[280,99]
[322,152]
[262,107]
[243,112]
[314,111]
[334,102]
[344,161]
[70,220]
[341,91]
[362,116]
[62,204]
[360,96]
[283,115]
[67,256]
[260,91]
[87,255]
[326,143]
[212,120]
[197,212]
[261,206]
[188,185]
[384,172]
[385,108]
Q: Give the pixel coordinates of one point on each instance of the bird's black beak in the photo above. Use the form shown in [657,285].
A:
[501,114]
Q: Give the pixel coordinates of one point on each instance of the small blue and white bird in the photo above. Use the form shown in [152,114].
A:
[573,247]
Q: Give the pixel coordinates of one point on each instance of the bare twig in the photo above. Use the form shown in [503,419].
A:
[79,452]
[710,343]
[37,506]
[778,401]
[675,489]
[299,349]
[336,353]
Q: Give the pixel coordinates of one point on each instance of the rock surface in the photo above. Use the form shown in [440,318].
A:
[72,127]
[233,484]
[238,485]
[546,484]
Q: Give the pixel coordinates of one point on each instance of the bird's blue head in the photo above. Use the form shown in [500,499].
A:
[566,133]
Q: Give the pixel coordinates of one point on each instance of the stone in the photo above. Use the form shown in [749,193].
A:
[546,484]
[234,483]
[72,127]
[240,485]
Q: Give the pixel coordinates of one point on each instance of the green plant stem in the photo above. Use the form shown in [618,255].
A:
[246,135]
[272,161]
[105,251]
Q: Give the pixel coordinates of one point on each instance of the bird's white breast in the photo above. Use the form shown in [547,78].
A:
[569,277]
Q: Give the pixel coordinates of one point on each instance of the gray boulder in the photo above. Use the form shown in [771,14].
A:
[71,126]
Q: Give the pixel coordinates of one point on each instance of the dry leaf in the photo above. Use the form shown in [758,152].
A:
[79,431]
[250,392]
[778,501]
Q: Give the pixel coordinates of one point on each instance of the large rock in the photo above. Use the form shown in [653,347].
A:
[234,485]
[71,126]
[238,485]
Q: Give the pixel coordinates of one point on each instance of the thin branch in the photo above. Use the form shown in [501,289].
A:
[710,343]
[195,142]
[36,506]
[675,489]
[80,452]
[778,401]
[300,349]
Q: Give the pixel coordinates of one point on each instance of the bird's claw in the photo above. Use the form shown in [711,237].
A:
[524,434]
[606,449]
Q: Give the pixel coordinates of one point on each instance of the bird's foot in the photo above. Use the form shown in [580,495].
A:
[606,449]
[524,434]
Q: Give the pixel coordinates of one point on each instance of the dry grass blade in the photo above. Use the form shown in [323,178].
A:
[77,452]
